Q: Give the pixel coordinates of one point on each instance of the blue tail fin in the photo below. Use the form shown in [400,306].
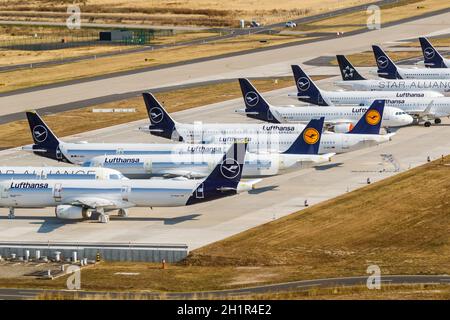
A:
[161,124]
[308,142]
[386,67]
[223,181]
[348,71]
[432,57]
[307,89]
[46,144]
[370,122]
[256,106]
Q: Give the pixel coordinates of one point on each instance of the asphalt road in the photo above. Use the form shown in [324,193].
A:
[295,286]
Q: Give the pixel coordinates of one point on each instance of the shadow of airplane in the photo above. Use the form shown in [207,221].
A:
[329,166]
[166,221]
[50,224]
[262,189]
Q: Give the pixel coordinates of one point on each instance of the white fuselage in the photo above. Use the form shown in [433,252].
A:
[424,73]
[440,107]
[207,132]
[199,165]
[330,142]
[367,97]
[8,172]
[442,86]
[392,117]
[127,193]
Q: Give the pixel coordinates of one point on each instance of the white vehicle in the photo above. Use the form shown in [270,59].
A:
[389,70]
[77,199]
[432,57]
[9,172]
[291,24]
[341,119]
[162,125]
[310,93]
[301,154]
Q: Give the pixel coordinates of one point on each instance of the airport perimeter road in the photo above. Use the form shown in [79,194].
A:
[208,222]
[274,62]
[294,286]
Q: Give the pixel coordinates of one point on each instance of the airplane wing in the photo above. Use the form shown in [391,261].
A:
[99,203]
[425,112]
[183,173]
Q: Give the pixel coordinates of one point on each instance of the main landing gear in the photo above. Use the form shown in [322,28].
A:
[436,121]
[123,213]
[11,214]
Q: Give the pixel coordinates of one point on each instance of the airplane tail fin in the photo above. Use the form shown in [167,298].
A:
[386,67]
[308,142]
[348,71]
[256,106]
[46,144]
[307,89]
[370,122]
[432,57]
[161,123]
[225,177]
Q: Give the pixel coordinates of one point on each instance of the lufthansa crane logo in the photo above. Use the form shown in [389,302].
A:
[429,52]
[382,62]
[251,98]
[230,168]
[156,114]
[311,136]
[40,133]
[373,117]
[303,84]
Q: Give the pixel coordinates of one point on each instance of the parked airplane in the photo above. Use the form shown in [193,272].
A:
[162,125]
[365,133]
[48,145]
[302,153]
[341,118]
[389,70]
[310,93]
[432,57]
[59,173]
[77,199]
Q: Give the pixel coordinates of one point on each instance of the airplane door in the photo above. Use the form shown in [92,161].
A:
[57,191]
[58,154]
[125,192]
[320,100]
[4,191]
[148,166]
[200,192]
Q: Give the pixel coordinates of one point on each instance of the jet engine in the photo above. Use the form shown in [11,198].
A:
[343,127]
[69,212]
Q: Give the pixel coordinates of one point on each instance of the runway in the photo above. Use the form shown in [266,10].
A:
[199,225]
[274,62]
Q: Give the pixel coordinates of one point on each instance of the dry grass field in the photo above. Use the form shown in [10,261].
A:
[182,12]
[366,58]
